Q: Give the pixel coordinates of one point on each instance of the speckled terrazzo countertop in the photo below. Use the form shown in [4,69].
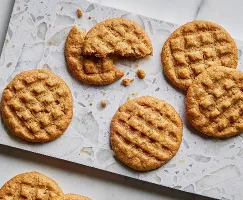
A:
[35,39]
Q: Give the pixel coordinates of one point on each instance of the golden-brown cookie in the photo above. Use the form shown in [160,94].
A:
[214,102]
[71,197]
[195,46]
[90,70]
[30,186]
[146,133]
[118,36]
[37,105]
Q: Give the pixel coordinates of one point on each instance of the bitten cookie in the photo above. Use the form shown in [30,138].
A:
[30,186]
[37,106]
[214,102]
[90,70]
[71,197]
[118,36]
[146,133]
[195,46]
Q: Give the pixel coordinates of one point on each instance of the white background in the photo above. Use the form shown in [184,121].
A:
[95,183]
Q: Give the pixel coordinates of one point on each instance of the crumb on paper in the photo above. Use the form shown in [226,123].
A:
[134,94]
[141,74]
[127,73]
[136,65]
[89,17]
[90,104]
[126,82]
[103,104]
[79,13]
[62,8]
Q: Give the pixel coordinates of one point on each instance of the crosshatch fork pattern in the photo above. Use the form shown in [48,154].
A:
[93,71]
[30,186]
[146,133]
[37,105]
[214,102]
[118,36]
[194,47]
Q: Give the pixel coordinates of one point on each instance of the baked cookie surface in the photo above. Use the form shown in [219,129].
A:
[71,197]
[194,47]
[37,105]
[117,36]
[146,133]
[30,186]
[214,102]
[90,70]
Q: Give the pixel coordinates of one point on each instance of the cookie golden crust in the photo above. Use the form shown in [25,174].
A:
[214,102]
[117,36]
[90,70]
[37,106]
[146,133]
[30,186]
[194,47]
[71,197]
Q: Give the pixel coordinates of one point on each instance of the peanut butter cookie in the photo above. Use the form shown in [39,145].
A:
[214,102]
[146,133]
[37,105]
[118,36]
[30,186]
[194,47]
[90,70]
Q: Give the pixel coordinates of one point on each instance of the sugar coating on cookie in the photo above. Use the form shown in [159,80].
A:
[117,36]
[71,197]
[30,186]
[146,133]
[37,105]
[194,47]
[214,102]
[90,70]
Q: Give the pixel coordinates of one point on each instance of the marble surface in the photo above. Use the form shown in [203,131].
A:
[220,172]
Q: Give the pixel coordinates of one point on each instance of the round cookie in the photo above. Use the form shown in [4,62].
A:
[71,197]
[30,186]
[118,36]
[214,102]
[90,70]
[194,47]
[146,133]
[37,106]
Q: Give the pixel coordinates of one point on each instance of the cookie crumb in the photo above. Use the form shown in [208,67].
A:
[90,104]
[79,13]
[126,82]
[136,65]
[62,8]
[141,74]
[89,17]
[103,103]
